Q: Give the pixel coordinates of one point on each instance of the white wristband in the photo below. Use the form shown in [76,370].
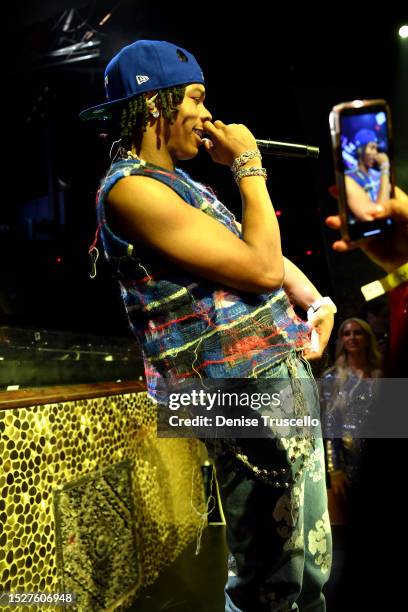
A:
[320,302]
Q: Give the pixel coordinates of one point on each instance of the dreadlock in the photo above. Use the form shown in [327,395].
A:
[135,115]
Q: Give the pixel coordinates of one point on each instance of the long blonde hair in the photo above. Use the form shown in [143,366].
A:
[373,355]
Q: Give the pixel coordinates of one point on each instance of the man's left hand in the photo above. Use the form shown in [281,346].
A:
[322,323]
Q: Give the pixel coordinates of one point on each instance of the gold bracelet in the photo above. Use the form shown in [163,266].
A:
[389,282]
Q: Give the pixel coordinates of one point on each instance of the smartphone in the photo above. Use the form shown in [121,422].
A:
[364,165]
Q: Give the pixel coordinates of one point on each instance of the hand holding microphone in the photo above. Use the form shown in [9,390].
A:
[270,147]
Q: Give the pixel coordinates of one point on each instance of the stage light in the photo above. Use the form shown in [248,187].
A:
[77,47]
[80,47]
[105,19]
[68,19]
[403,31]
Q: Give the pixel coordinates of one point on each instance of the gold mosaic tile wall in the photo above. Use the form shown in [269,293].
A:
[91,501]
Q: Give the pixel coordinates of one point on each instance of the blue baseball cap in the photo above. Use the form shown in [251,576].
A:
[365,136]
[145,65]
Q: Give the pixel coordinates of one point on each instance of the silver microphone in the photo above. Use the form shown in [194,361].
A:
[287,149]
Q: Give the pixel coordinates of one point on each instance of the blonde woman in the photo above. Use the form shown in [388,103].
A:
[348,390]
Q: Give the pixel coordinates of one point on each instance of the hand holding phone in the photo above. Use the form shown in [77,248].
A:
[388,250]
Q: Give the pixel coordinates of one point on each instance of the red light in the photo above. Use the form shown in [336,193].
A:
[278,213]
[309,252]
[59,260]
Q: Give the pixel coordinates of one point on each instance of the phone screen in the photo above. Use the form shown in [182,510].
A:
[366,167]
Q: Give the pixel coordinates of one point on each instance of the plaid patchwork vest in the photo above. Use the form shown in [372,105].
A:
[188,326]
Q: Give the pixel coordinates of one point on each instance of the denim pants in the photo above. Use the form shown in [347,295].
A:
[279,538]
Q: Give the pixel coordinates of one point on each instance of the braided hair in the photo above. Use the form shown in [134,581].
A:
[135,114]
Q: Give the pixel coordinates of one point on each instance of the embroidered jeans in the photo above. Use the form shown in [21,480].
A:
[279,538]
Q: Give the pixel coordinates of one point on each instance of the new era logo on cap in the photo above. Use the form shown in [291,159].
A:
[141,79]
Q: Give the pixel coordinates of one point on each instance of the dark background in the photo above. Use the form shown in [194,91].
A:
[278,72]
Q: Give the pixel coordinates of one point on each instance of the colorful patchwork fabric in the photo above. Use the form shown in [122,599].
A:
[188,326]
[369,181]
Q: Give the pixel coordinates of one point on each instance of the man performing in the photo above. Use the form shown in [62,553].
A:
[208,298]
